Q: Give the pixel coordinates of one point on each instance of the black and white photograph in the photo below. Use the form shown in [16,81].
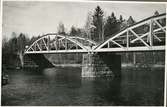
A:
[83,53]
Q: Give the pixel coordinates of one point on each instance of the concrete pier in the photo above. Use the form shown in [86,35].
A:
[101,65]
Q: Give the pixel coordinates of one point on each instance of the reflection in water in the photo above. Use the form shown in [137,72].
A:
[64,86]
[142,87]
[108,89]
[68,77]
[50,73]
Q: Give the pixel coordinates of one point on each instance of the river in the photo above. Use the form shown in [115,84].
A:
[64,86]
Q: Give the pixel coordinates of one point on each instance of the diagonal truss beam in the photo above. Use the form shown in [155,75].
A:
[38,46]
[159,25]
[32,49]
[117,43]
[139,38]
[45,44]
[147,34]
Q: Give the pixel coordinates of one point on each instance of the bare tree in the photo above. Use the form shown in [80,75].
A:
[88,26]
[61,28]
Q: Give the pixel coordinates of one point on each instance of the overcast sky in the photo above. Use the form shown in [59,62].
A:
[36,18]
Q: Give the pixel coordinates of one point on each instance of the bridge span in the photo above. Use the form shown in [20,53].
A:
[146,35]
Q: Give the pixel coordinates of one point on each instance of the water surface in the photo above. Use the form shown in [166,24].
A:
[64,86]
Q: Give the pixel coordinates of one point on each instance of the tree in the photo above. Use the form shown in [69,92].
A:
[112,26]
[4,42]
[61,29]
[73,31]
[122,22]
[13,45]
[88,26]
[121,18]
[130,21]
[21,42]
[113,16]
[14,35]
[98,24]
[156,13]
[81,32]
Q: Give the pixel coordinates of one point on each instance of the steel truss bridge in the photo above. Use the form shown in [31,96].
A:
[146,35]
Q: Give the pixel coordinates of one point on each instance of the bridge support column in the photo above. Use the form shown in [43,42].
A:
[101,65]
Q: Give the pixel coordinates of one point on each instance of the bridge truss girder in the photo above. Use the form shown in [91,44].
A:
[152,38]
[148,34]
[54,43]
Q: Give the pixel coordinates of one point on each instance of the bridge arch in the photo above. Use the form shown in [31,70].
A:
[56,43]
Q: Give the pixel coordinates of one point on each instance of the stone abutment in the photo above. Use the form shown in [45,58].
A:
[101,65]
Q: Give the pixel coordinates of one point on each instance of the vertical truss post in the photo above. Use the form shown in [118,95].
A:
[76,46]
[65,42]
[127,39]
[48,43]
[35,46]
[108,44]
[59,44]
[56,43]
[151,33]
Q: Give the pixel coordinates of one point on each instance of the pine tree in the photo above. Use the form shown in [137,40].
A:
[130,21]
[121,18]
[73,31]
[112,26]
[98,24]
[156,13]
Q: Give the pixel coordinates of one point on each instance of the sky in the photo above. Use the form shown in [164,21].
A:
[36,18]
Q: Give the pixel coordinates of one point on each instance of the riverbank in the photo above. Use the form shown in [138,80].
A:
[124,65]
[67,65]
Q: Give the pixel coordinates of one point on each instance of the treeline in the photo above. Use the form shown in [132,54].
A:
[13,49]
[98,27]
